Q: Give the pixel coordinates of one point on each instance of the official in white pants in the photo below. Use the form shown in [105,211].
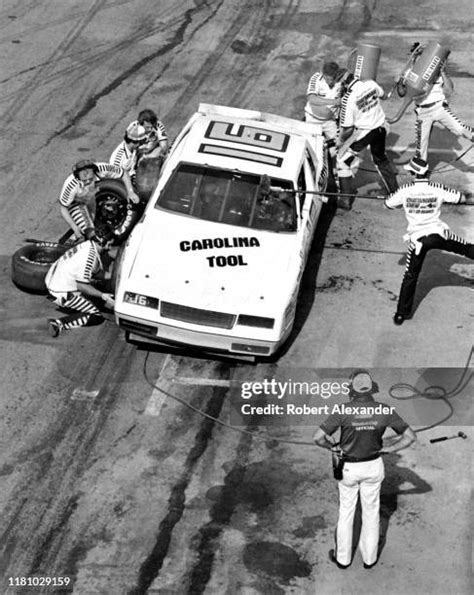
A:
[361,446]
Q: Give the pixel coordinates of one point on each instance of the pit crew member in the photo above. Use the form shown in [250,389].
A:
[126,156]
[323,100]
[156,143]
[433,108]
[422,201]
[362,124]
[77,197]
[70,279]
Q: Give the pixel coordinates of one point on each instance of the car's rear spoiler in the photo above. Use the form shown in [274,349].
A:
[289,124]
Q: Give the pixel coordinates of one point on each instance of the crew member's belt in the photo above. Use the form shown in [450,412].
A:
[429,104]
[350,459]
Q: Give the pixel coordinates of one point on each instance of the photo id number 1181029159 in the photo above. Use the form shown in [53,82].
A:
[38,581]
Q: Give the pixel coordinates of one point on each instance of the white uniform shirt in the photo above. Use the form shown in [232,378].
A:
[435,95]
[79,263]
[422,202]
[74,191]
[318,86]
[154,138]
[123,157]
[360,106]
[158,133]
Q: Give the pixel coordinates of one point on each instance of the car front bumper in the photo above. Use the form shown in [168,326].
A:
[150,332]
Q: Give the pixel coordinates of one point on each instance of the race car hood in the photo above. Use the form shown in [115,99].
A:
[211,265]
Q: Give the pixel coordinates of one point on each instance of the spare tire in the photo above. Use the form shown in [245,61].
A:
[113,210]
[31,263]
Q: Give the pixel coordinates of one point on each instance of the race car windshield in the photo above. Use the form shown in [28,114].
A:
[234,198]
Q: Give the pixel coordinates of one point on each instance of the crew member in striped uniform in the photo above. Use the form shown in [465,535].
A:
[77,198]
[362,124]
[156,143]
[323,100]
[422,202]
[126,154]
[433,108]
[69,283]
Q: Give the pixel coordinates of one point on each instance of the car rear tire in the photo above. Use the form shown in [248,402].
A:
[31,263]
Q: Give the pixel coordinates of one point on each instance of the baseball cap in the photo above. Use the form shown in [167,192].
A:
[361,382]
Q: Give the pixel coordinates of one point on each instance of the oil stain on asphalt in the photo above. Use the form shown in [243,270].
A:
[276,560]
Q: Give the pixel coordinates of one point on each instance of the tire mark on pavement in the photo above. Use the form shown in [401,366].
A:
[95,57]
[150,568]
[29,88]
[220,516]
[260,41]
[189,93]
[56,466]
[177,39]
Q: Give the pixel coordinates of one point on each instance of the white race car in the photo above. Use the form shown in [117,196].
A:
[217,259]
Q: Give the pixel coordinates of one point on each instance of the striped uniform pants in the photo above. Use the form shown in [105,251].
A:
[415,259]
[75,301]
[439,113]
[82,216]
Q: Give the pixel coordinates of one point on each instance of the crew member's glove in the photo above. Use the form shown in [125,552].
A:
[108,300]
[90,233]
[134,198]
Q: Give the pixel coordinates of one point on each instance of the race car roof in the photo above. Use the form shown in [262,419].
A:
[246,140]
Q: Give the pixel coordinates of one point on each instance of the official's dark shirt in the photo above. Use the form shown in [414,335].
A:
[361,434]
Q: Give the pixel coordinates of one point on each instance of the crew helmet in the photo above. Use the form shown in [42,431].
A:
[135,132]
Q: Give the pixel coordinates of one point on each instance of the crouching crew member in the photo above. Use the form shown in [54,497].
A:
[77,198]
[363,124]
[363,468]
[422,202]
[69,283]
